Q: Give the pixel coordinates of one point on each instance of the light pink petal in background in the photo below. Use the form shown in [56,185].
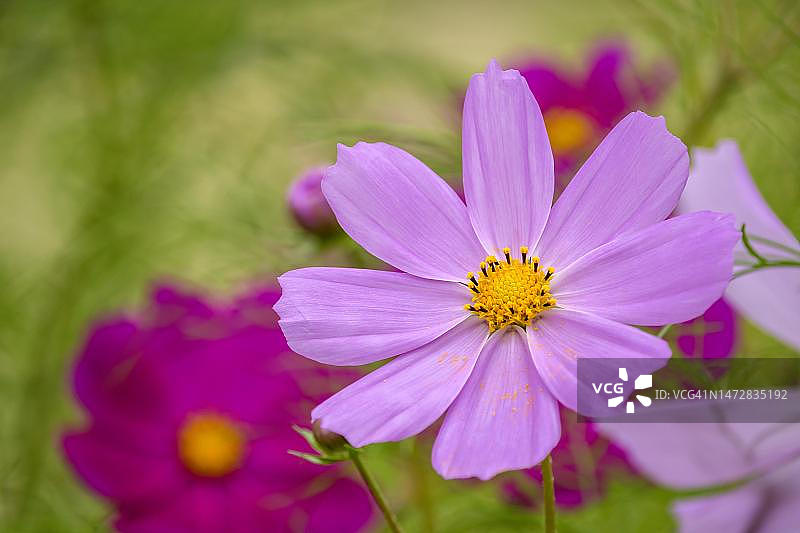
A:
[770,298]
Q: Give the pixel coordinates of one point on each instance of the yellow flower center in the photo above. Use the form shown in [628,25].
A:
[510,292]
[568,129]
[210,445]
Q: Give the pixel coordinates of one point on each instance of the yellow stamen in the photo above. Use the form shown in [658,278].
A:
[510,293]
[210,445]
[568,129]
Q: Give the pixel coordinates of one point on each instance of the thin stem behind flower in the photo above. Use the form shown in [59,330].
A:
[549,495]
[375,491]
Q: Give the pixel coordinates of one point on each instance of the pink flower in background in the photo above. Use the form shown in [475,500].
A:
[308,205]
[764,457]
[712,335]
[770,297]
[497,298]
[580,108]
[190,411]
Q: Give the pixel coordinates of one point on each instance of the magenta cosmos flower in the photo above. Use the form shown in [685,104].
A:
[190,412]
[771,297]
[497,298]
[579,108]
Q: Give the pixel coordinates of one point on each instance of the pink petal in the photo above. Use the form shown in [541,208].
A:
[732,512]
[119,474]
[400,211]
[504,418]
[696,455]
[201,508]
[562,336]
[508,165]
[670,272]
[347,316]
[632,180]
[405,396]
[770,298]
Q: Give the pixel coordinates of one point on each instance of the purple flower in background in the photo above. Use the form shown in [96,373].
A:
[712,335]
[579,109]
[190,411]
[494,341]
[765,457]
[771,297]
[308,205]
[583,460]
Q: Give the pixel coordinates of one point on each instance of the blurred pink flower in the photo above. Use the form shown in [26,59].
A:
[712,335]
[190,410]
[580,108]
[308,205]
[771,297]
[764,458]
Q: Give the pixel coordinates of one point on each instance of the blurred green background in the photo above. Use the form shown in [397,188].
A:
[149,139]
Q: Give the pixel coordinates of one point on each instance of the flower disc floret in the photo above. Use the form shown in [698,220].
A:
[510,292]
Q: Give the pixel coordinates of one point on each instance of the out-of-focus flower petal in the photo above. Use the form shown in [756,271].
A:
[347,316]
[200,508]
[632,180]
[731,512]
[770,298]
[504,418]
[344,506]
[400,211]
[508,165]
[119,474]
[407,395]
[562,336]
[669,272]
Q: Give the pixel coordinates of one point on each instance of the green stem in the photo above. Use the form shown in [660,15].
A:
[724,87]
[419,463]
[663,331]
[752,251]
[768,264]
[377,495]
[549,495]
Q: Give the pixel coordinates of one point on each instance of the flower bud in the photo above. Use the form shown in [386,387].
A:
[329,441]
[309,206]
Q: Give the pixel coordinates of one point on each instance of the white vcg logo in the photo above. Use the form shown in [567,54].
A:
[645,381]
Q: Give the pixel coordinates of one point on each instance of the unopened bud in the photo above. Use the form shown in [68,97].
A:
[329,441]
[309,206]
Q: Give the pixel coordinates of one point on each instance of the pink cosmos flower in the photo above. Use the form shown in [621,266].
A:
[499,297]
[764,458]
[190,411]
[771,297]
[579,108]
